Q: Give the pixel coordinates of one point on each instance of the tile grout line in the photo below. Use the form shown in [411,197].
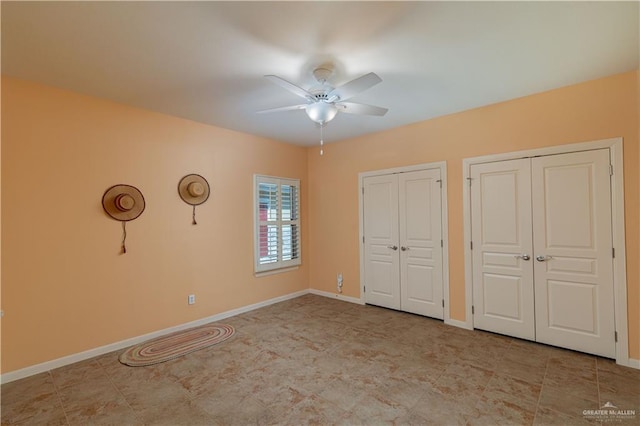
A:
[493,375]
[126,401]
[59,397]
[598,384]
[546,369]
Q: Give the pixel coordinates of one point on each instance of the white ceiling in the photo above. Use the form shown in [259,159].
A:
[205,60]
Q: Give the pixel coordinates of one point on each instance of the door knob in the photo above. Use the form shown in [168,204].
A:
[393,247]
[403,248]
[522,256]
[542,258]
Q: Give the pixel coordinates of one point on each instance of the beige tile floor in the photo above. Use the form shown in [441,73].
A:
[314,360]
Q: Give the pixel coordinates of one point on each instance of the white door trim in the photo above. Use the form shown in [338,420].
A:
[617,205]
[442,166]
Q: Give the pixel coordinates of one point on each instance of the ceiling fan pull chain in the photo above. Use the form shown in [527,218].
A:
[321,140]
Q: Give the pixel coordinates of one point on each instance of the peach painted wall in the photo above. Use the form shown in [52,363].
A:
[599,109]
[65,287]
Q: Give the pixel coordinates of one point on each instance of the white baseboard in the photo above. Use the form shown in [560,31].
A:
[337,296]
[91,353]
[634,363]
[458,323]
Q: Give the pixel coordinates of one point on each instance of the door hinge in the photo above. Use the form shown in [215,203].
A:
[473,309]
[363,190]
[363,239]
[613,252]
[443,303]
[469,179]
[364,290]
[440,181]
[471,244]
[610,169]
[441,243]
[615,335]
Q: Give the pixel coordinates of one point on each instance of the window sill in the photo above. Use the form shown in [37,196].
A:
[275,271]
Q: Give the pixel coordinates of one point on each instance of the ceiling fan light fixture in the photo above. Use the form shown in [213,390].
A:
[321,112]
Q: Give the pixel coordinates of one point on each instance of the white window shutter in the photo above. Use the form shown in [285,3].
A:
[277,220]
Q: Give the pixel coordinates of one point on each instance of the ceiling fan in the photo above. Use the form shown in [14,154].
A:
[324,101]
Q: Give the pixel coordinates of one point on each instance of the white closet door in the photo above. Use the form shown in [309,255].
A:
[420,243]
[572,240]
[382,264]
[503,297]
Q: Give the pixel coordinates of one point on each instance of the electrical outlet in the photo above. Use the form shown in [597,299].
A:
[339,280]
[192,299]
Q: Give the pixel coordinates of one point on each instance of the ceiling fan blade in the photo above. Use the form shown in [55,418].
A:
[354,108]
[353,87]
[296,90]
[286,108]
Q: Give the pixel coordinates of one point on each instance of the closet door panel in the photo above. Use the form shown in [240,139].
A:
[420,243]
[382,263]
[502,248]
[573,241]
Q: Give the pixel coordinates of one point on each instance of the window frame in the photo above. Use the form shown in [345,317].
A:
[280,265]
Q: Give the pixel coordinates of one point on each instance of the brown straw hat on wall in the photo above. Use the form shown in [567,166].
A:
[123,203]
[194,190]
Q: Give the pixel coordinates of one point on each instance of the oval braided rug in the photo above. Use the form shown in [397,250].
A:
[176,344]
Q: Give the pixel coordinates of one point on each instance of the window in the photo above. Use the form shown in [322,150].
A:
[277,223]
